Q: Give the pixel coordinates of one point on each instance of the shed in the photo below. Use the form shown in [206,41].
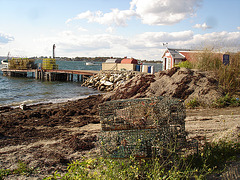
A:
[113,60]
[129,61]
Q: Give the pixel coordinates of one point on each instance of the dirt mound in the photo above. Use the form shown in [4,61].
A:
[177,82]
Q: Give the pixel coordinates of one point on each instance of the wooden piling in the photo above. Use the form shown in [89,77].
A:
[50,75]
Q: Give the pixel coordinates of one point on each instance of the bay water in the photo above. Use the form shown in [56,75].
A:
[15,91]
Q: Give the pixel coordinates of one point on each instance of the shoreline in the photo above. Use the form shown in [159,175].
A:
[49,136]
[32,102]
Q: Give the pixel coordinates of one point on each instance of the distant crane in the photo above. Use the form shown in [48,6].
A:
[54,46]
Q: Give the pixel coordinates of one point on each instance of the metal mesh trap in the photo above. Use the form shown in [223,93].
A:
[138,126]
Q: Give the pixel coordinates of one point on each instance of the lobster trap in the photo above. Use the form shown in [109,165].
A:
[49,63]
[141,127]
[21,63]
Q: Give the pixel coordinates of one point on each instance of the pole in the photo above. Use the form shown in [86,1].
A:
[54,46]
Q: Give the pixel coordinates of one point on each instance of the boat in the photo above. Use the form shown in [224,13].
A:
[4,62]
[90,64]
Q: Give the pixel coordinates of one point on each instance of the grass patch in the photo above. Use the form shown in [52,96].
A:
[185,64]
[193,103]
[226,101]
[228,76]
[212,158]
[22,169]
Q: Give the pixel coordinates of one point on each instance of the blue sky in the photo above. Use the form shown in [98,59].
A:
[133,28]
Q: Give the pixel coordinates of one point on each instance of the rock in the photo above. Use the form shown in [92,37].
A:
[108,80]
[23,106]
[111,79]
[108,83]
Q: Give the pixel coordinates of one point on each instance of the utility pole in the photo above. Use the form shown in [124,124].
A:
[54,46]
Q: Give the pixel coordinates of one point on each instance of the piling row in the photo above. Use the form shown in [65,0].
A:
[44,75]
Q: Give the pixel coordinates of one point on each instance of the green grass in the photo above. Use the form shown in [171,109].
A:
[226,101]
[185,64]
[222,102]
[22,169]
[193,103]
[211,159]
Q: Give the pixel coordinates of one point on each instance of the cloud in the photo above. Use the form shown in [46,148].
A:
[156,39]
[5,38]
[151,12]
[164,12]
[146,45]
[115,17]
[110,30]
[82,29]
[238,28]
[203,26]
[151,41]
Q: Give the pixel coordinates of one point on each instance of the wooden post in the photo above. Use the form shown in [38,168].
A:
[42,75]
[68,77]
[36,74]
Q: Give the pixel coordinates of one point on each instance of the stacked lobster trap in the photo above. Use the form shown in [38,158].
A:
[21,63]
[141,127]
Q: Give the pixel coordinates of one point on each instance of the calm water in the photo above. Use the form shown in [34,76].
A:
[15,91]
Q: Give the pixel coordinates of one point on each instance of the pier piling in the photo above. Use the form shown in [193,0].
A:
[51,75]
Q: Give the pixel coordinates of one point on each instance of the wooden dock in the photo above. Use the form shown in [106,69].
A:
[51,75]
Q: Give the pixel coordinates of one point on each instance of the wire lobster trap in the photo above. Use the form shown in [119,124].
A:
[142,113]
[141,127]
[21,63]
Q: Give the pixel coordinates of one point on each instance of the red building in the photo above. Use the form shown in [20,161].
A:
[172,57]
[129,61]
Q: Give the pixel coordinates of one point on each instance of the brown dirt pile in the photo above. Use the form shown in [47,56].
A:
[177,82]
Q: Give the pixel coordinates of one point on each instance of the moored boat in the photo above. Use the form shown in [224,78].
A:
[89,63]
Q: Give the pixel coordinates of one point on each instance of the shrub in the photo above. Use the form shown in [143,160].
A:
[193,103]
[185,64]
[211,159]
[226,101]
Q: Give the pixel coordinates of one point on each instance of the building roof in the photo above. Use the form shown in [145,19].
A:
[129,61]
[175,54]
[113,60]
[181,53]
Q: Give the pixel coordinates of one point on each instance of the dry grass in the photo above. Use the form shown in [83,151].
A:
[227,75]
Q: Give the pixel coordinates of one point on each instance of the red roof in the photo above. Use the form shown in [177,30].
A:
[129,61]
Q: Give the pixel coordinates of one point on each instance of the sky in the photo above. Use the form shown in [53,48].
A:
[134,28]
